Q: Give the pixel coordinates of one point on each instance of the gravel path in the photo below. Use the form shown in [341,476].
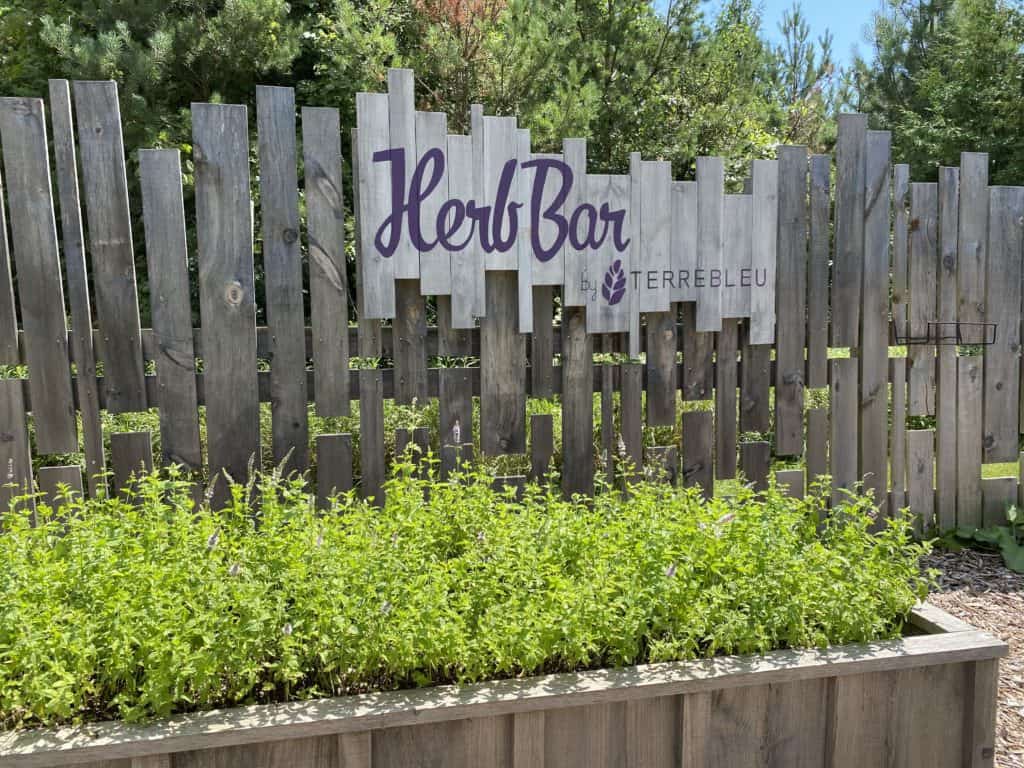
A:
[977,588]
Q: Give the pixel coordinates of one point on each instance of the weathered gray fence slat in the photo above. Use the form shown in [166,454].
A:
[851,150]
[924,267]
[725,399]
[972,237]
[970,391]
[661,368]
[523,249]
[502,369]
[468,263]
[542,445]
[1002,364]
[105,190]
[764,224]
[333,466]
[900,242]
[377,281]
[998,494]
[40,292]
[282,267]
[574,262]
[8,314]
[684,237]
[920,477]
[631,415]
[874,357]
[817,272]
[542,370]
[608,437]
[635,233]
[328,274]
[698,357]
[163,211]
[791,482]
[227,300]
[73,242]
[843,418]
[698,448]
[946,379]
[58,485]
[755,381]
[402,130]
[791,294]
[131,456]
[451,342]
[655,234]
[15,452]
[710,203]
[436,264]
[756,460]
[455,406]
[898,433]
[501,145]
[577,403]
[609,269]
[737,255]
[817,445]
[410,334]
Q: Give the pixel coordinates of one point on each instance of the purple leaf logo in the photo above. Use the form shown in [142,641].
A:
[614,287]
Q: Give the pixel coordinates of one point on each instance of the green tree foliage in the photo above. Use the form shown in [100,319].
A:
[946,76]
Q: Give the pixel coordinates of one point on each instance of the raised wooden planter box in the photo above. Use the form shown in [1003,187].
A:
[925,700]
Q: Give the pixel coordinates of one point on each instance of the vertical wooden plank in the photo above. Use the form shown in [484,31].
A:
[684,240]
[998,495]
[970,391]
[524,245]
[467,263]
[764,225]
[817,445]
[548,268]
[698,446]
[791,295]
[655,236]
[945,382]
[664,461]
[661,369]
[698,357]
[410,339]
[328,272]
[924,266]
[574,260]
[843,442]
[105,189]
[874,342]
[59,484]
[608,439]
[696,728]
[577,403]
[921,477]
[131,455]
[333,466]
[73,243]
[227,299]
[817,272]
[502,370]
[40,292]
[982,688]
[163,211]
[652,732]
[371,434]
[972,237]
[528,740]
[377,273]
[631,414]
[402,130]
[542,445]
[757,459]
[500,147]
[791,482]
[435,264]
[900,242]
[851,153]
[609,267]
[755,409]
[451,342]
[15,454]
[737,255]
[402,439]
[898,432]
[798,709]
[355,750]
[710,204]
[738,727]
[1002,359]
[542,369]
[455,406]
[636,241]
[725,400]
[282,269]
[8,313]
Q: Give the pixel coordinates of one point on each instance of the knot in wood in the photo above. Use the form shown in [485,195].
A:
[290,235]
[234,293]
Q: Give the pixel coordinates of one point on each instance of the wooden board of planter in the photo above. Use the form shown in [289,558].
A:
[925,700]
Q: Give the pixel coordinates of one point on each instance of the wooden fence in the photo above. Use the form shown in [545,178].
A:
[859,258]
